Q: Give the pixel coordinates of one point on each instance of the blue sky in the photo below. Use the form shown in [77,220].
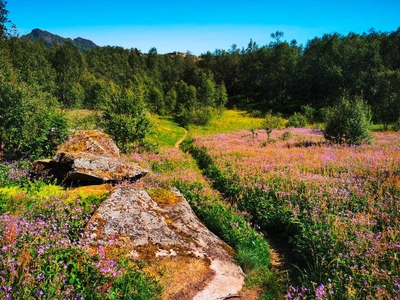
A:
[199,26]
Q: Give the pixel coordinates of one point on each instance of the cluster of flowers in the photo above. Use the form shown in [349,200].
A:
[43,254]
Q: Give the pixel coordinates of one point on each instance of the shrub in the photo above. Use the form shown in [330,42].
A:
[273,122]
[297,120]
[200,116]
[309,112]
[287,135]
[348,122]
[30,125]
[396,125]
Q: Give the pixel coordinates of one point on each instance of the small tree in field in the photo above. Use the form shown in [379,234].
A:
[125,119]
[273,122]
[349,122]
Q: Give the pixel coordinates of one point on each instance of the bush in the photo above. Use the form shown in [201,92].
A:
[297,120]
[348,122]
[396,125]
[200,116]
[273,122]
[125,120]
[30,125]
[287,135]
[309,112]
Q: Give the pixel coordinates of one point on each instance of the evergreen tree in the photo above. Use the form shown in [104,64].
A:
[3,19]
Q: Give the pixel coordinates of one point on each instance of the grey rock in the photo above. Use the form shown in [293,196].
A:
[159,230]
[88,157]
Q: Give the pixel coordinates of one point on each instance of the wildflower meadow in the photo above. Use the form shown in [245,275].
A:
[44,253]
[335,207]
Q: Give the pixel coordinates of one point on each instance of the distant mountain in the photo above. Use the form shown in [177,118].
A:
[49,39]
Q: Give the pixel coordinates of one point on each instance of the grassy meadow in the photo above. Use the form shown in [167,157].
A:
[334,208]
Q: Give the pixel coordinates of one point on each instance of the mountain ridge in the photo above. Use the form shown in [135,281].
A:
[37,35]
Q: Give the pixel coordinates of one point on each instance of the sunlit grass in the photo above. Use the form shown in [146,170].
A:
[164,131]
[84,119]
[230,121]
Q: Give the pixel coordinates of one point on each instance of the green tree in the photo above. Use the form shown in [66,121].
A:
[206,92]
[31,64]
[125,119]
[69,65]
[3,19]
[221,98]
[386,105]
[97,92]
[170,101]
[349,122]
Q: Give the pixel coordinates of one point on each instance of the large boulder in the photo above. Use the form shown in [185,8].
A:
[163,231]
[88,157]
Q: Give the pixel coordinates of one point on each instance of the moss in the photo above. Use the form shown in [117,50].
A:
[164,197]
[84,192]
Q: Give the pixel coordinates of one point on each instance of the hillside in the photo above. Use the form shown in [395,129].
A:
[49,39]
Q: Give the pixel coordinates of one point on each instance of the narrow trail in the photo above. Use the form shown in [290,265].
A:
[177,144]
[281,261]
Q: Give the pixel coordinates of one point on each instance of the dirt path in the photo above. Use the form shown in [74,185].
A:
[182,139]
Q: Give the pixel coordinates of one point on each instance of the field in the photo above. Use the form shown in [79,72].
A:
[336,207]
[333,209]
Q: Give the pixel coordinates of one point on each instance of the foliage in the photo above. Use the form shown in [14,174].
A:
[280,76]
[287,135]
[349,122]
[125,119]
[200,116]
[3,19]
[297,120]
[273,122]
[396,125]
[30,125]
[387,104]
[68,62]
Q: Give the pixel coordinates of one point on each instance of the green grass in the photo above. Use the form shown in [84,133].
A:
[230,121]
[164,132]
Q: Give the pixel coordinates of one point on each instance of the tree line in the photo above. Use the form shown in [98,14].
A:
[282,77]
[286,77]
